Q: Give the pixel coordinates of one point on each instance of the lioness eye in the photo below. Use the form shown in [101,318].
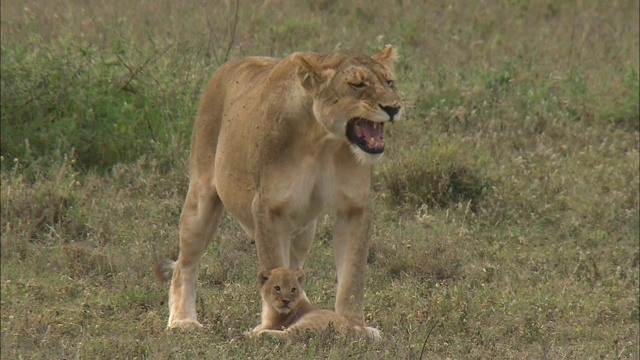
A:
[277,288]
[358,86]
[390,83]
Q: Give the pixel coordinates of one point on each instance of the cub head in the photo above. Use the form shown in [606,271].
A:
[354,96]
[281,288]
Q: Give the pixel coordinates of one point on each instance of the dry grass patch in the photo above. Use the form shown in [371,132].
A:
[506,206]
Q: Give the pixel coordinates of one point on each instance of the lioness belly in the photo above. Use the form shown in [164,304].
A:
[233,176]
[234,172]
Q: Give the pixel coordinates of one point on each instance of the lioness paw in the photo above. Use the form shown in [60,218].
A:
[185,325]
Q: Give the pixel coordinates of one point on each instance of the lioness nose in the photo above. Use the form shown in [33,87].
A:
[285,302]
[391,110]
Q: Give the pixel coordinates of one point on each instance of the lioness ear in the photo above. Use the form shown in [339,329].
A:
[386,56]
[301,277]
[310,73]
[263,277]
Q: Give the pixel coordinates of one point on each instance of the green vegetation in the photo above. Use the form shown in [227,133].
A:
[507,204]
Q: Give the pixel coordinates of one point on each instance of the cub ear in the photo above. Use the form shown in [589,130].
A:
[309,70]
[386,56]
[300,276]
[263,277]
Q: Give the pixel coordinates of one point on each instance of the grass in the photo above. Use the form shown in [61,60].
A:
[506,207]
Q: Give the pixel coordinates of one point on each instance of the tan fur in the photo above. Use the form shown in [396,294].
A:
[289,313]
[163,270]
[270,146]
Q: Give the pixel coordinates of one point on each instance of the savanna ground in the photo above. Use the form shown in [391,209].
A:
[506,206]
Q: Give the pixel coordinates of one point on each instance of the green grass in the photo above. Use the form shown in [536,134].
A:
[506,207]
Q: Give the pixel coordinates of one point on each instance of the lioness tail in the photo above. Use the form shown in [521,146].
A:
[163,270]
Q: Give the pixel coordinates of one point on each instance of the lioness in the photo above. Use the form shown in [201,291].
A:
[277,142]
[289,312]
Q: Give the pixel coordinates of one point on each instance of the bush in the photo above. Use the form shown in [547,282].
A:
[106,104]
[435,175]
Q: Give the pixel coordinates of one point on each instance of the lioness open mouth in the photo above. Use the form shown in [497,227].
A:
[367,135]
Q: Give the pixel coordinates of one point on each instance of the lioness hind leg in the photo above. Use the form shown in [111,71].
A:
[200,218]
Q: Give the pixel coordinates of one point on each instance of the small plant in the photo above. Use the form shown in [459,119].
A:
[436,175]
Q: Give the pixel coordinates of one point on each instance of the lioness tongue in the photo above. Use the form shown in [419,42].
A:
[371,133]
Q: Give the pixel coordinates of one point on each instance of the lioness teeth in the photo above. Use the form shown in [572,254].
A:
[371,142]
[375,126]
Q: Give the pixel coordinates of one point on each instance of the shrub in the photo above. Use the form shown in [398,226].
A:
[106,104]
[436,175]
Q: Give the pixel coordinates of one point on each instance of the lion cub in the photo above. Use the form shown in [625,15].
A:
[288,313]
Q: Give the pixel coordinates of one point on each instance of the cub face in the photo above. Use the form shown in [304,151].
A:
[281,288]
[354,96]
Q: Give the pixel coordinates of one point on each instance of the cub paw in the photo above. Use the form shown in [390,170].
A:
[372,333]
[279,334]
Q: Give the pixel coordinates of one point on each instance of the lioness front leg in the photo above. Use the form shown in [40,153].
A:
[272,245]
[351,246]
[200,217]
[300,246]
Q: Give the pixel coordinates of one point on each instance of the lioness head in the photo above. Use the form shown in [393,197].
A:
[354,96]
[281,288]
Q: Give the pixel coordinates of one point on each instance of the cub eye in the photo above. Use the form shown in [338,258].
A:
[276,288]
[293,290]
[358,86]
[390,83]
